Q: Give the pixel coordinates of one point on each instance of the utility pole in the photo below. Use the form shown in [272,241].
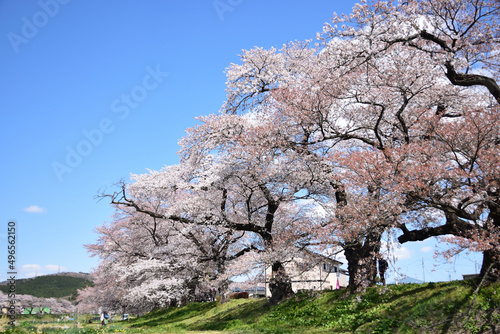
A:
[394,261]
[423,269]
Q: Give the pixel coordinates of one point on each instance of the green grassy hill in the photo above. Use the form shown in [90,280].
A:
[50,286]
[444,308]
[449,307]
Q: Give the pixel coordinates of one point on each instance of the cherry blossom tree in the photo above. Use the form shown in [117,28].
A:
[460,38]
[151,261]
[107,293]
[460,181]
[312,113]
[364,90]
[227,184]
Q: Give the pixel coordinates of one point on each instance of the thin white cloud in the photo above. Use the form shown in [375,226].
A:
[35,209]
[31,274]
[402,253]
[395,250]
[33,270]
[426,249]
[31,267]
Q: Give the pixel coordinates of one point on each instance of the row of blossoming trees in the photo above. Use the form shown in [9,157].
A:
[56,306]
[388,124]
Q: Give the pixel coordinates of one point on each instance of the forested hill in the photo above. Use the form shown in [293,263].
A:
[51,286]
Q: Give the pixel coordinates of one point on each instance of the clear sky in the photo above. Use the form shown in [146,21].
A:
[95,90]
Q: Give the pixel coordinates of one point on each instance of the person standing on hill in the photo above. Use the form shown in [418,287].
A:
[104,318]
[382,267]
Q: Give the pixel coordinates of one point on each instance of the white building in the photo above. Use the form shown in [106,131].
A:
[311,271]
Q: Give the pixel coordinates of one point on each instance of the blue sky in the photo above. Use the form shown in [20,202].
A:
[95,90]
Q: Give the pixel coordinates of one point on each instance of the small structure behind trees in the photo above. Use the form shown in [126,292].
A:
[313,272]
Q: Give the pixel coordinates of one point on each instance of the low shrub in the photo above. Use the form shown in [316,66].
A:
[239,295]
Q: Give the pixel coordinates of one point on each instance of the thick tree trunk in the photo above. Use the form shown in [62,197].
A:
[223,292]
[491,266]
[361,256]
[491,257]
[362,262]
[279,284]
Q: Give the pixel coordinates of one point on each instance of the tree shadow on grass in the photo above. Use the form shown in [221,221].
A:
[173,314]
[237,316]
[458,313]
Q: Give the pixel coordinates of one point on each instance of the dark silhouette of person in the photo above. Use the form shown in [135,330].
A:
[382,267]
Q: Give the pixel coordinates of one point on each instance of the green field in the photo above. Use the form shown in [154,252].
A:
[451,307]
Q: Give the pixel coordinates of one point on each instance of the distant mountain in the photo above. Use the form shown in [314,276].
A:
[406,280]
[51,286]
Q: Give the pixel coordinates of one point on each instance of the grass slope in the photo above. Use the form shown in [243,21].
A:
[449,307]
[51,286]
[452,307]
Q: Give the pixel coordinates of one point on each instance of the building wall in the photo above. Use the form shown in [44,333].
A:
[311,277]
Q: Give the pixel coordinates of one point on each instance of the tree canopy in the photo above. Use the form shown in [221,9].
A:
[387,124]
